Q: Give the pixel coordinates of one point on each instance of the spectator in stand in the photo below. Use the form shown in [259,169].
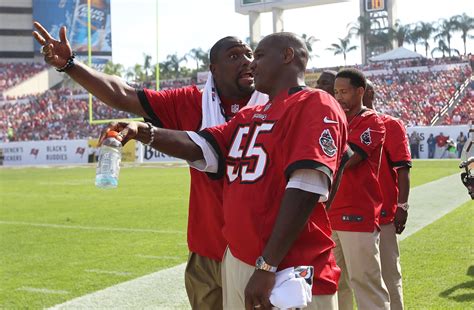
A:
[431,146]
[415,144]
[461,141]
[441,141]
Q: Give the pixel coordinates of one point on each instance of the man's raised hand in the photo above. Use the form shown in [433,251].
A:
[56,53]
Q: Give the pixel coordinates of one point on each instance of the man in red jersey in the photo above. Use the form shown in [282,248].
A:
[182,109]
[278,162]
[326,81]
[394,179]
[355,211]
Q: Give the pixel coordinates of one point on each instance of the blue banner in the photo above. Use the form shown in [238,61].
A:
[53,14]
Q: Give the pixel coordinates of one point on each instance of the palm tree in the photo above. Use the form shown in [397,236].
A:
[139,73]
[444,48]
[464,23]
[113,69]
[414,36]
[197,54]
[425,31]
[309,41]
[445,26]
[363,29]
[400,33]
[175,63]
[343,47]
[205,60]
[146,65]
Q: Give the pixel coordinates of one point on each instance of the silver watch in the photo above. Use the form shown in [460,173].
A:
[403,206]
[261,264]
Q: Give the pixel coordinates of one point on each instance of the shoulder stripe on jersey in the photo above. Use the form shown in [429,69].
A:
[358,150]
[400,164]
[147,107]
[221,160]
[308,164]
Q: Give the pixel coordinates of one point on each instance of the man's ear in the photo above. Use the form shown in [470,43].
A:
[288,55]
[360,91]
[212,68]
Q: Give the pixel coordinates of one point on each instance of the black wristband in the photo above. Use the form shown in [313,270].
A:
[69,63]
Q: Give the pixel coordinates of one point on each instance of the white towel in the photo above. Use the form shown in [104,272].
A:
[293,287]
[211,103]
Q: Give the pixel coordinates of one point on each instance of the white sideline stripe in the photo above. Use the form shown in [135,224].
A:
[94,228]
[158,257]
[42,290]
[165,289]
[160,290]
[433,200]
[115,273]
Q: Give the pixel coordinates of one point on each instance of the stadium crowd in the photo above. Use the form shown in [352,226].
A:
[12,74]
[414,96]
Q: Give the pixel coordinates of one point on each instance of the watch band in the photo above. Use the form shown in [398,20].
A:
[261,264]
[404,206]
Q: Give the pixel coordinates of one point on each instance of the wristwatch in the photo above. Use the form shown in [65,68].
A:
[261,264]
[403,206]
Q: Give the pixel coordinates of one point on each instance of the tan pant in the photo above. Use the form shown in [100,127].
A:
[235,276]
[203,282]
[357,254]
[391,269]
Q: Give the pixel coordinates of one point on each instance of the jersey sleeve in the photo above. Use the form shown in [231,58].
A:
[367,136]
[171,108]
[316,136]
[219,137]
[396,144]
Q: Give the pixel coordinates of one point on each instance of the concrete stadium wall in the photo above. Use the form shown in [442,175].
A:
[16,41]
[39,83]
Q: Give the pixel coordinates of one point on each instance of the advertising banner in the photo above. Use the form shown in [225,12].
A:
[53,14]
[44,152]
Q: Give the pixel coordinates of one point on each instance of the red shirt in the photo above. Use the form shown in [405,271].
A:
[259,149]
[358,201]
[441,140]
[395,154]
[181,109]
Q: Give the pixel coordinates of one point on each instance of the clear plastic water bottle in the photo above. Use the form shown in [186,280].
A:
[108,166]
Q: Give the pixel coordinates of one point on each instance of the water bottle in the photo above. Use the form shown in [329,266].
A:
[108,166]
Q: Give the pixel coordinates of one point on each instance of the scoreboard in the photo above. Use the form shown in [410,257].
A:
[374,5]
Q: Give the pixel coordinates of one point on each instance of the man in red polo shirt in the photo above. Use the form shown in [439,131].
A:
[278,162]
[183,109]
[394,178]
[355,212]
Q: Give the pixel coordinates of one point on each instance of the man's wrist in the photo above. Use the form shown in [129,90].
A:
[404,206]
[261,264]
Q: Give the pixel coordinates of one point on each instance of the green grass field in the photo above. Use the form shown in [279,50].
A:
[58,232]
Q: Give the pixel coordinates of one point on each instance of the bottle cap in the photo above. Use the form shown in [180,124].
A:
[112,133]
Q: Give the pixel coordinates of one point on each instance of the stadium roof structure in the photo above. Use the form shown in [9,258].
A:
[398,53]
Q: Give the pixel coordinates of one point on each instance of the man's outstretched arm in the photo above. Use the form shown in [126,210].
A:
[175,143]
[110,89]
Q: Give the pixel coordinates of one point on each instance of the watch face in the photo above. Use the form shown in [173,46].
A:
[260,262]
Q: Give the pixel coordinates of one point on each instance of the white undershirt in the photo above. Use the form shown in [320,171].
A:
[309,180]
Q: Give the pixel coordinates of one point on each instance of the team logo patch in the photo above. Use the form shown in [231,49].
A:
[365,137]
[305,272]
[327,143]
[234,108]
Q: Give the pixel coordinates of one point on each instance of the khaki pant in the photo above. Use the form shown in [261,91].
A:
[235,276]
[357,254]
[391,269]
[203,282]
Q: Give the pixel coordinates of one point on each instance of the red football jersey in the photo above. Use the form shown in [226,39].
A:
[358,201]
[259,149]
[395,154]
[181,109]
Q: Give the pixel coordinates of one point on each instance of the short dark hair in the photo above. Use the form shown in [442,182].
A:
[223,44]
[356,77]
[329,72]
